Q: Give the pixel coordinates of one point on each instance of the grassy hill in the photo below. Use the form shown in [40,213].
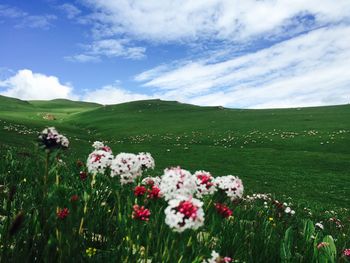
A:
[303,152]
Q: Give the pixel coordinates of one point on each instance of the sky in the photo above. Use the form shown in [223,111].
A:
[238,54]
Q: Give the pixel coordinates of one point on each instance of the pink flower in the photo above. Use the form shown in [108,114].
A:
[139,190]
[223,210]
[63,213]
[188,209]
[141,213]
[322,244]
[154,193]
[346,252]
[206,180]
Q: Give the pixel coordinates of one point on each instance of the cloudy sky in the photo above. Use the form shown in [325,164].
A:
[240,54]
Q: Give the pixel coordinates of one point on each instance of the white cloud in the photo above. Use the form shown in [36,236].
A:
[34,86]
[71,10]
[109,48]
[112,94]
[231,20]
[310,69]
[22,19]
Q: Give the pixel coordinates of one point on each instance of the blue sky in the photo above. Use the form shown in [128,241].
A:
[242,54]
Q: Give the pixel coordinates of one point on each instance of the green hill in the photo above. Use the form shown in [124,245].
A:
[302,152]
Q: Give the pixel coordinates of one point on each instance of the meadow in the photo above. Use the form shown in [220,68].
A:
[298,158]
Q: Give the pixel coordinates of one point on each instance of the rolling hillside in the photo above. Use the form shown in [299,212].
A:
[302,152]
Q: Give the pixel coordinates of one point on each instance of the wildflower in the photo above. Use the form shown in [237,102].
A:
[50,138]
[231,185]
[184,213]
[205,184]
[98,161]
[223,210]
[83,175]
[215,258]
[176,181]
[346,253]
[127,166]
[154,193]
[139,190]
[151,181]
[74,198]
[322,244]
[270,219]
[146,160]
[141,213]
[91,252]
[62,213]
[98,145]
[319,225]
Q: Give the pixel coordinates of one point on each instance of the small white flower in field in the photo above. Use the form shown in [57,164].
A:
[205,183]
[215,258]
[127,166]
[319,225]
[232,186]
[184,213]
[50,138]
[288,210]
[176,181]
[98,161]
[146,160]
[292,212]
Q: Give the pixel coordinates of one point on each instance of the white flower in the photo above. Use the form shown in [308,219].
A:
[98,145]
[319,225]
[288,210]
[184,213]
[98,161]
[232,186]
[205,184]
[146,160]
[215,257]
[176,181]
[51,138]
[127,166]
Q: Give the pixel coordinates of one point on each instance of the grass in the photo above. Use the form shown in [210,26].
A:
[303,153]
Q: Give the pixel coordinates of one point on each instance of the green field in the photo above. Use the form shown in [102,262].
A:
[303,153]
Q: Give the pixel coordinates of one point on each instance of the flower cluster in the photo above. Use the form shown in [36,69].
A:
[98,161]
[184,213]
[62,213]
[127,166]
[215,258]
[231,185]
[176,181]
[347,253]
[140,213]
[50,138]
[223,210]
[205,183]
[146,160]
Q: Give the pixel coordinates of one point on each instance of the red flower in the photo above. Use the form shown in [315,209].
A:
[83,175]
[347,253]
[62,213]
[141,213]
[139,190]
[223,210]
[74,198]
[106,149]
[154,193]
[206,180]
[188,209]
